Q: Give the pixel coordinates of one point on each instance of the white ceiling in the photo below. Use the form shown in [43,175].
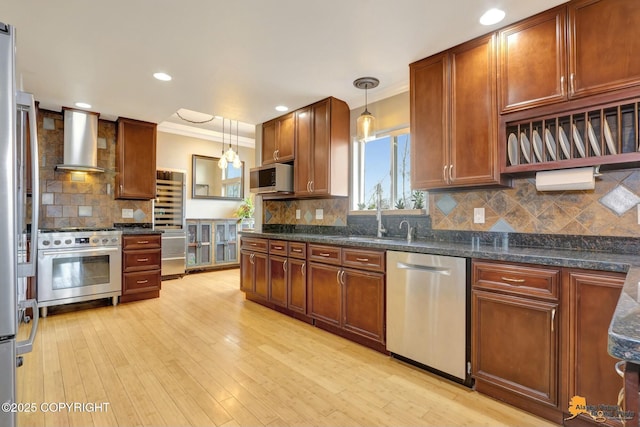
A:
[233,58]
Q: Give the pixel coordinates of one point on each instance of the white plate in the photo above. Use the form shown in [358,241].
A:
[512,149]
[593,140]
[577,140]
[537,145]
[609,138]
[564,143]
[550,143]
[526,147]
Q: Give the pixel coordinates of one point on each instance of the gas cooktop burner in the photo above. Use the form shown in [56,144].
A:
[75,229]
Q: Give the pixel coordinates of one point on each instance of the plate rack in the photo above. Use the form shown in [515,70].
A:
[600,135]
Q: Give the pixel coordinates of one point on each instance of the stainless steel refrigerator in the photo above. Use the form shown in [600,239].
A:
[17,123]
[168,216]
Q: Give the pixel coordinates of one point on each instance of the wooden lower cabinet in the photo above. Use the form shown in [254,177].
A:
[297,285]
[278,280]
[347,299]
[516,342]
[539,337]
[589,300]
[254,267]
[141,267]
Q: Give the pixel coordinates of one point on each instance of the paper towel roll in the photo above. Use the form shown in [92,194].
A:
[566,179]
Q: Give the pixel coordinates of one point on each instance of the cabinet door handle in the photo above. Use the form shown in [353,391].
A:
[143,242]
[562,86]
[509,279]
[253,244]
[338,277]
[620,368]
[284,265]
[311,186]
[362,259]
[141,282]
[572,88]
[450,173]
[553,318]
[303,268]
[251,258]
[296,250]
[143,259]
[278,248]
[444,173]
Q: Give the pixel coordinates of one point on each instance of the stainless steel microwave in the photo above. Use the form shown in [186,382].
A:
[273,178]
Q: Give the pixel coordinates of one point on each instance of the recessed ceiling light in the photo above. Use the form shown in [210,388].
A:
[282,108]
[83,105]
[162,76]
[492,16]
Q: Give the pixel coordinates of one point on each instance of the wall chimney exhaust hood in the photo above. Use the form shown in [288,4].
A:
[80,141]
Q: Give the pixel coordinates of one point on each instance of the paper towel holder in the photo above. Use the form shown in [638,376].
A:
[567,179]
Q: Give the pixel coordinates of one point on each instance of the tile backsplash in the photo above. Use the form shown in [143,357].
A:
[609,210]
[78,199]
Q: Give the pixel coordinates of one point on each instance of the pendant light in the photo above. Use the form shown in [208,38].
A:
[236,162]
[366,123]
[222,163]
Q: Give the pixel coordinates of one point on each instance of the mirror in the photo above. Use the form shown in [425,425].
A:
[210,182]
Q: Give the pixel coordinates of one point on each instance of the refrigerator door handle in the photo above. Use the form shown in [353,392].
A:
[26,346]
[28,269]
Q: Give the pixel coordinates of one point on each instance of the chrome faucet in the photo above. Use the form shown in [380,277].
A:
[381,229]
[409,230]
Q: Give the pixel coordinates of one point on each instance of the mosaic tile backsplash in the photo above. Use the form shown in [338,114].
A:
[609,210]
[334,211]
[80,199]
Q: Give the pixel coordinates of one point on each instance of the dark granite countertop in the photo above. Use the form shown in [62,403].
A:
[624,330]
[130,230]
[136,228]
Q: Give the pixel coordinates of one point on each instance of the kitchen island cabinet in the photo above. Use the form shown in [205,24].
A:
[135,160]
[454,119]
[141,267]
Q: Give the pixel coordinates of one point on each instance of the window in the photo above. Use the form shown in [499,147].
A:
[382,164]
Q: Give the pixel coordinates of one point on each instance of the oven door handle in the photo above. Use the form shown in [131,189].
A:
[26,346]
[79,251]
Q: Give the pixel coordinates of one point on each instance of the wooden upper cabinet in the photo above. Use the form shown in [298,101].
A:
[322,137]
[604,41]
[135,160]
[278,140]
[583,48]
[532,61]
[454,118]
[429,121]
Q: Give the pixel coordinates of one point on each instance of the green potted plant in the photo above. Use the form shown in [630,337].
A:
[245,213]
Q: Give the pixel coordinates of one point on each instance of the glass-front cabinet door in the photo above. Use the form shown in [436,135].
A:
[198,243]
[226,248]
[205,243]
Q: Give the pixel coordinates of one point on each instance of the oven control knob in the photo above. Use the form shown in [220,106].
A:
[114,240]
[56,242]
[46,242]
[105,241]
[67,242]
[95,240]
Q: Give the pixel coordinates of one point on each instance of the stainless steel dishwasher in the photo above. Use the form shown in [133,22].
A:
[428,312]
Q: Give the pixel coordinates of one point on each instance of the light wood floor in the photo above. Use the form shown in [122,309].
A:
[201,355]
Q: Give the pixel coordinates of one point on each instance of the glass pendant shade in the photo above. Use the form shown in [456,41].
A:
[237,163]
[222,163]
[230,155]
[365,126]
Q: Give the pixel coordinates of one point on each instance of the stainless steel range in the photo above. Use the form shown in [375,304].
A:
[78,264]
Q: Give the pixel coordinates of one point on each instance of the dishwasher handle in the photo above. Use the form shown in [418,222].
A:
[428,268]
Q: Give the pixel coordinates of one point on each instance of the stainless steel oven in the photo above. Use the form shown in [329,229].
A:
[78,265]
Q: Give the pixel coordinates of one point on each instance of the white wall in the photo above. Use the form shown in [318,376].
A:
[175,151]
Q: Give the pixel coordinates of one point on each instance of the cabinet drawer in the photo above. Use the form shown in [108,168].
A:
[363,259]
[141,281]
[253,244]
[141,241]
[325,254]
[278,247]
[517,279]
[141,260]
[297,250]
